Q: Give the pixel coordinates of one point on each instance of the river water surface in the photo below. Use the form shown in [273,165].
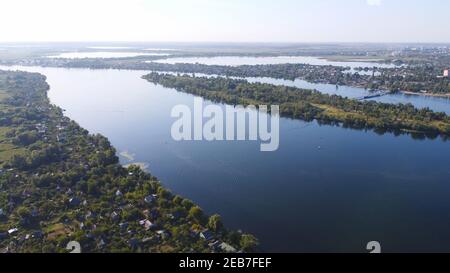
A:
[237,60]
[327,189]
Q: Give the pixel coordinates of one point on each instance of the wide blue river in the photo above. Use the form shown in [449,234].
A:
[327,189]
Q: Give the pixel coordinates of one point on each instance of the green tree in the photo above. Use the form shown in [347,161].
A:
[18,161]
[187,204]
[93,187]
[23,212]
[248,242]
[196,214]
[132,214]
[215,223]
[177,200]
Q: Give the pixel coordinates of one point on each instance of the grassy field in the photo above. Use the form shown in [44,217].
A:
[340,114]
[7,152]
[3,95]
[7,149]
[336,112]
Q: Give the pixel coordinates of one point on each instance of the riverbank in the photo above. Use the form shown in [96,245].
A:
[446,96]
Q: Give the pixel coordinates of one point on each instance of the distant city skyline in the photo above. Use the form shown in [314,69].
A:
[282,21]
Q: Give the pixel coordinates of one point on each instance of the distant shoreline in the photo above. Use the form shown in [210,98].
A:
[426,94]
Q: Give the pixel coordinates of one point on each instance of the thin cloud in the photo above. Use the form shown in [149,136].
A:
[374,2]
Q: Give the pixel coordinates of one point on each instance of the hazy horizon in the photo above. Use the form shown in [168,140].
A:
[225,21]
[149,42]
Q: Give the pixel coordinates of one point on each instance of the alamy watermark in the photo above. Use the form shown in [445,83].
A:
[228,123]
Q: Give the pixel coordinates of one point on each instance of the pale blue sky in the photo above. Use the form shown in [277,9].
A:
[226,20]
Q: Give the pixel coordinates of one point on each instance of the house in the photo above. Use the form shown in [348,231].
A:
[74,202]
[89,215]
[163,234]
[147,224]
[446,73]
[147,240]
[207,235]
[146,213]
[37,234]
[149,199]
[214,245]
[227,248]
[123,226]
[12,231]
[170,216]
[42,129]
[101,244]
[119,193]
[61,138]
[114,216]
[26,193]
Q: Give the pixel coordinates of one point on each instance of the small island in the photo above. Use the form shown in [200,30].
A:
[311,105]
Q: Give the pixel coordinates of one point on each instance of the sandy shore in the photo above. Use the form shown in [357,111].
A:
[144,166]
[426,94]
[127,155]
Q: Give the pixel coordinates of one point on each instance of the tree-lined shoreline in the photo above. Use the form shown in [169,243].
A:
[311,105]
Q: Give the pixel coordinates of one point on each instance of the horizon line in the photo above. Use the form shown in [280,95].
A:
[225,42]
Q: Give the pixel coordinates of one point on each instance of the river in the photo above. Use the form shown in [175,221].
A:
[238,60]
[327,189]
